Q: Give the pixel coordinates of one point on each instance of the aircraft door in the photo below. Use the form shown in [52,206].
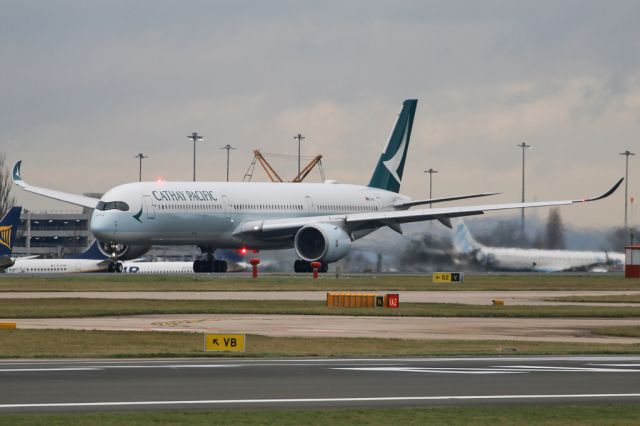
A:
[149,207]
[226,207]
[309,207]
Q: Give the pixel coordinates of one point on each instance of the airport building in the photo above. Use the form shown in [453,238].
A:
[52,233]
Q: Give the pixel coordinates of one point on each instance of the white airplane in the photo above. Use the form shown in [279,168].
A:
[318,220]
[90,260]
[517,259]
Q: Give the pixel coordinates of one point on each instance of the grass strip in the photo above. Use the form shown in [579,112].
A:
[613,298]
[618,331]
[26,343]
[242,282]
[76,307]
[548,415]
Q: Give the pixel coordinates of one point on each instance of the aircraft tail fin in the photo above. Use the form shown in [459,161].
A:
[92,252]
[388,172]
[463,241]
[8,230]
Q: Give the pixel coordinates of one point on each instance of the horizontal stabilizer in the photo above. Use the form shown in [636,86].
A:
[442,200]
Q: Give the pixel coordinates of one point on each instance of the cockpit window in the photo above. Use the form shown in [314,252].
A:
[112,205]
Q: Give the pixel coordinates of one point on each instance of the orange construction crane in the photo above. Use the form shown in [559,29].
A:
[274,176]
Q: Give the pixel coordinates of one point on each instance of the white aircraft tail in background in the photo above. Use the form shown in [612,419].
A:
[518,259]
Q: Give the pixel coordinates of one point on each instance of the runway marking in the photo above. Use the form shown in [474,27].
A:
[510,369]
[107,367]
[27,370]
[442,370]
[321,400]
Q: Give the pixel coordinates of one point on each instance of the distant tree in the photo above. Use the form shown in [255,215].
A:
[620,237]
[6,199]
[506,233]
[555,231]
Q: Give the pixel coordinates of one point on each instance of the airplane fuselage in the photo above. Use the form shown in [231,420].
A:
[208,213]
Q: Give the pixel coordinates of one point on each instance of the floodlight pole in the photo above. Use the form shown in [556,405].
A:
[431,172]
[140,156]
[194,137]
[300,138]
[228,148]
[524,146]
[627,153]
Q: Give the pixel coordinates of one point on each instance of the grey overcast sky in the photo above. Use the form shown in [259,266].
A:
[86,85]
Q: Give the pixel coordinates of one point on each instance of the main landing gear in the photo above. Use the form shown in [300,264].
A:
[210,264]
[115,267]
[304,266]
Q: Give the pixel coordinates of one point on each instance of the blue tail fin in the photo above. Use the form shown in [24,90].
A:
[92,252]
[8,230]
[388,172]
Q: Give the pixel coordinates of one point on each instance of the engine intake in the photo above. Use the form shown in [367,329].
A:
[322,242]
[121,251]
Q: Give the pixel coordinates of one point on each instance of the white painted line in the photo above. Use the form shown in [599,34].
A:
[320,400]
[27,370]
[437,370]
[569,369]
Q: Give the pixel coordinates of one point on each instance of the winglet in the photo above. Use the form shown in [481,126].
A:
[606,194]
[16,171]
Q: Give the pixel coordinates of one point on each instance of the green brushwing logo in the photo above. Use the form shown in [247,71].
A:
[137,215]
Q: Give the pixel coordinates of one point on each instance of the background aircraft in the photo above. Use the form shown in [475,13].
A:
[517,259]
[318,220]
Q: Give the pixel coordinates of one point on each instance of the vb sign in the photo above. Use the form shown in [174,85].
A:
[224,342]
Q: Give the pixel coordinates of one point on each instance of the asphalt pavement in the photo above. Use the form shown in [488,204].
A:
[99,385]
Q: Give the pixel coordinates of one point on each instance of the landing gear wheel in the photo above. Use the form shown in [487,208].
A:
[111,268]
[119,268]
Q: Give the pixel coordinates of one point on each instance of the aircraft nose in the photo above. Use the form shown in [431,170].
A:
[102,226]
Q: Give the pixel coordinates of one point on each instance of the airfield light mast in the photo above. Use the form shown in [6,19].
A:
[140,156]
[627,153]
[431,172]
[194,137]
[300,138]
[228,148]
[524,146]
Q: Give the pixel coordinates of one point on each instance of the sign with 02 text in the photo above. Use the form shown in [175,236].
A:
[224,342]
[447,277]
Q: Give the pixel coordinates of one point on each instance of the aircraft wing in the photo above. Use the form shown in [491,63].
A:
[79,200]
[393,219]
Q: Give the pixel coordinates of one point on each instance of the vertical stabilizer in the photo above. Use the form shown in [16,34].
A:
[388,172]
[92,253]
[8,230]
[463,242]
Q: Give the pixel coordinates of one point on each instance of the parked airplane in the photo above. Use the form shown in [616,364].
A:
[319,220]
[90,260]
[518,259]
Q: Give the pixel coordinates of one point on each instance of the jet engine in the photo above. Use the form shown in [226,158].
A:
[121,251]
[322,242]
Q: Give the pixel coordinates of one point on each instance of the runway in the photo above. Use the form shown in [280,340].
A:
[463,297]
[532,329]
[99,385]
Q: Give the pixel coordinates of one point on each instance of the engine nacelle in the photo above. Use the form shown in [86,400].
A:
[322,242]
[121,251]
